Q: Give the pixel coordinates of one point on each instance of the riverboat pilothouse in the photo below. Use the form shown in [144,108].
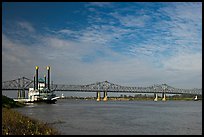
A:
[41,91]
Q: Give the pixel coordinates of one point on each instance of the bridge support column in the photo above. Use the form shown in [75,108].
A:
[98,96]
[105,96]
[19,94]
[23,94]
[156,97]
[163,97]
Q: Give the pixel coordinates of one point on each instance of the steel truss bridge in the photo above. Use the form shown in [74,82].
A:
[105,86]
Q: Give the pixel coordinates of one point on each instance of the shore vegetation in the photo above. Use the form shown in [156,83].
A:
[15,123]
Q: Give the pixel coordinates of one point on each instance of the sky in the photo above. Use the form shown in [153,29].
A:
[126,43]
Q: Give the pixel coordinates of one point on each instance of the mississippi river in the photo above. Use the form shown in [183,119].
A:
[89,117]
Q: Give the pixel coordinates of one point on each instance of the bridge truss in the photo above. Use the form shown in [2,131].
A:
[110,87]
[17,84]
[25,83]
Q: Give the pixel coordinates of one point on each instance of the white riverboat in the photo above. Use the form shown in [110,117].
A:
[41,91]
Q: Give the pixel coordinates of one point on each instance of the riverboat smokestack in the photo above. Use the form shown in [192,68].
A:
[45,80]
[34,83]
[48,79]
[36,69]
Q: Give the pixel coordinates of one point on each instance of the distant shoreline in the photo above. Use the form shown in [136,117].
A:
[134,99]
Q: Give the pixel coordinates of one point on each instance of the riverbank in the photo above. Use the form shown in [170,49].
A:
[14,123]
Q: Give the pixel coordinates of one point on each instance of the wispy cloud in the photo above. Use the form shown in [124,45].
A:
[100,4]
[190,62]
[127,71]
[132,20]
[185,20]
[27,26]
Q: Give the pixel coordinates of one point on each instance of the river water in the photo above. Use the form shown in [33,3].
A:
[89,117]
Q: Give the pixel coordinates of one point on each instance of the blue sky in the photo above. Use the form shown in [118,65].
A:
[127,43]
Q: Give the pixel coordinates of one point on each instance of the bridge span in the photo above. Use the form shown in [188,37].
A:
[104,86]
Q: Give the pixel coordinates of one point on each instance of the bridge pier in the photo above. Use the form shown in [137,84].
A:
[105,98]
[23,94]
[19,94]
[156,97]
[163,96]
[98,98]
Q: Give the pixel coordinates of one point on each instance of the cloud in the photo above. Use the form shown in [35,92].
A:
[100,4]
[96,34]
[189,62]
[183,11]
[147,49]
[185,20]
[132,20]
[175,29]
[17,59]
[68,68]
[27,26]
